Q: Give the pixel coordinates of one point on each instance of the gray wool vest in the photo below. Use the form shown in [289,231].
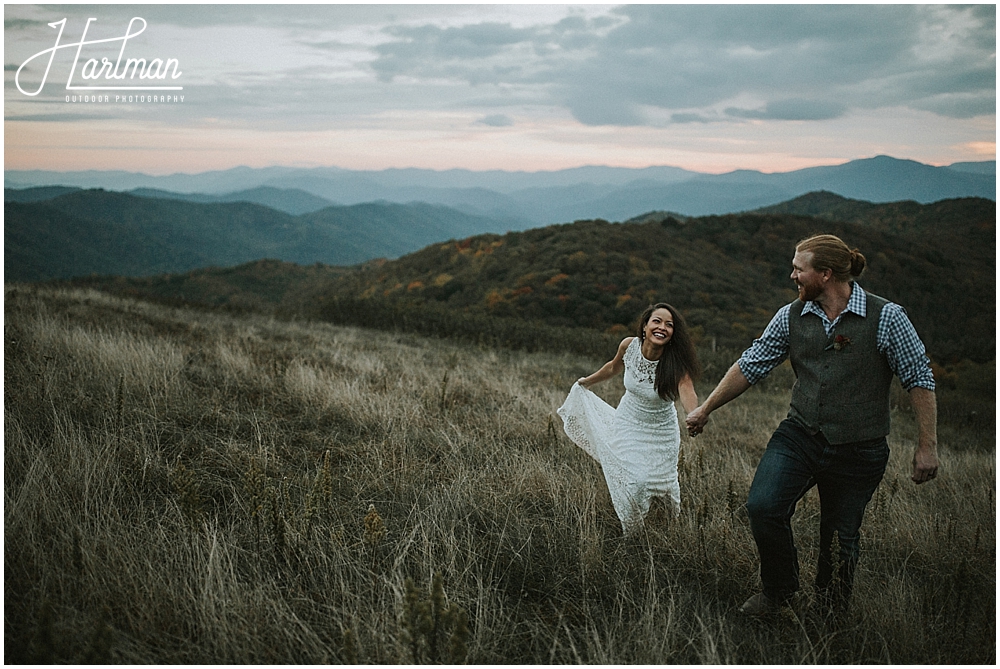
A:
[841,386]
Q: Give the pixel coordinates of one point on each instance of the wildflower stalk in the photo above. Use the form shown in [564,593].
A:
[434,631]
[444,390]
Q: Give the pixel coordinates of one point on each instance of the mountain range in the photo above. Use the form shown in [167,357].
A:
[60,230]
[83,232]
[521,200]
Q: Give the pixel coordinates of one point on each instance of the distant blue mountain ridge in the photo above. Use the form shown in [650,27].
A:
[530,199]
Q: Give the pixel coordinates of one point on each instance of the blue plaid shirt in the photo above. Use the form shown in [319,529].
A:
[896,339]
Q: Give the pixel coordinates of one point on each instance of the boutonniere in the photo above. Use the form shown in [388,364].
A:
[839,342]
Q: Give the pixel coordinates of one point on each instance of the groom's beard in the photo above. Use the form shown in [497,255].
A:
[808,293]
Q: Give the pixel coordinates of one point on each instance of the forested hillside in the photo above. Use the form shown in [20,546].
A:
[79,233]
[728,274]
[289,200]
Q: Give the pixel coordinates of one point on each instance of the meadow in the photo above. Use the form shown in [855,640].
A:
[187,486]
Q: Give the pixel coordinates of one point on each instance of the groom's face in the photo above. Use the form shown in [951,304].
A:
[810,282]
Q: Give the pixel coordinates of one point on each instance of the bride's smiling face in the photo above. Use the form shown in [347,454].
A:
[659,328]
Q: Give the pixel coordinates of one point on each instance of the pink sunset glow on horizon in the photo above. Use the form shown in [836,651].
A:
[496,87]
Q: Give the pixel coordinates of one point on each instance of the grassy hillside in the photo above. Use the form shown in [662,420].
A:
[185,487]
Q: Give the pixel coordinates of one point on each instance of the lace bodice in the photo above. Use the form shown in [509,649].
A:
[640,373]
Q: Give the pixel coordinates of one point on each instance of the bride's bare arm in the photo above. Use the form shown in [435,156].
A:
[610,368]
[688,396]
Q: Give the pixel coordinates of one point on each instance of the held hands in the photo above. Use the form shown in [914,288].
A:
[696,421]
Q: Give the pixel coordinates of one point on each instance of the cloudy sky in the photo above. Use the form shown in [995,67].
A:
[710,88]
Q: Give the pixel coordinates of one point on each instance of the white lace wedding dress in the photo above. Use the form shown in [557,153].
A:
[636,444]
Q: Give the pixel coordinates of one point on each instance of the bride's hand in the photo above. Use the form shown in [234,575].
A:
[696,421]
[581,381]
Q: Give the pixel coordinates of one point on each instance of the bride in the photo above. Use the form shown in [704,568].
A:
[637,444]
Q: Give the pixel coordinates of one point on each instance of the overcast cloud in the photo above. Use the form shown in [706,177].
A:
[781,62]
[677,70]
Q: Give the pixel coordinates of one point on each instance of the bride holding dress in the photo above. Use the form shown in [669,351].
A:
[638,443]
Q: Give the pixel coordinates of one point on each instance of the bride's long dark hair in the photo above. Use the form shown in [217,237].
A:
[678,358]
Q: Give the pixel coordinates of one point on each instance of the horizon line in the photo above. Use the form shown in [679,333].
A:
[483,171]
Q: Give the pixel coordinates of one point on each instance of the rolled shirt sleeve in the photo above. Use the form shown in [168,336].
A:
[899,342]
[767,351]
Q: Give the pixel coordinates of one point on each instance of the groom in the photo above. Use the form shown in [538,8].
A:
[845,346]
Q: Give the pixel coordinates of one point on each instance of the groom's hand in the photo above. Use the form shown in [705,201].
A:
[696,421]
[925,465]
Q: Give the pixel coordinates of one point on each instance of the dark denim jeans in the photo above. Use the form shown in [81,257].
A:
[846,475]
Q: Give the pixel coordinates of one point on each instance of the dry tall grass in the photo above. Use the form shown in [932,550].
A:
[188,487]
